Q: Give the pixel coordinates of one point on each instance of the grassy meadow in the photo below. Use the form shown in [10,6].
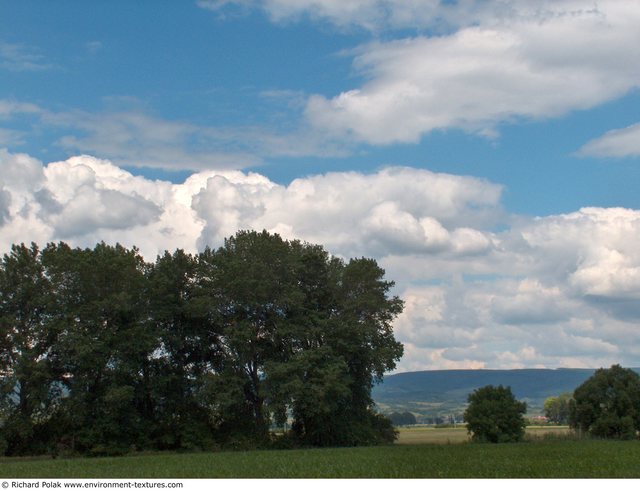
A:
[419,453]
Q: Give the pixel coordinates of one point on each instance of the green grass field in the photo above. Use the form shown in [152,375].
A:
[429,456]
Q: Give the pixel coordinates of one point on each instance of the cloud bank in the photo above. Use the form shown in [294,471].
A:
[482,288]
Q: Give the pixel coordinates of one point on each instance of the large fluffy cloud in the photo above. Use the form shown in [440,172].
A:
[564,292]
[397,210]
[394,211]
[84,200]
[482,289]
[480,76]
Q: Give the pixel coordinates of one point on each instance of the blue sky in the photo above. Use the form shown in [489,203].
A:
[481,150]
[234,67]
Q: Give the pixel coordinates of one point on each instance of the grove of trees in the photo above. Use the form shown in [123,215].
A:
[102,352]
[494,415]
[607,405]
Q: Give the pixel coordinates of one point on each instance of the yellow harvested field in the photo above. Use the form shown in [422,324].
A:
[416,435]
[542,431]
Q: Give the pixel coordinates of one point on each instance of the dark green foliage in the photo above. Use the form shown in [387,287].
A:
[252,286]
[402,419]
[28,395]
[607,405]
[102,353]
[302,334]
[495,416]
[102,341]
[186,345]
[341,344]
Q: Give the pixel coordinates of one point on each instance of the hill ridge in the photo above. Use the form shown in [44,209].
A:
[429,393]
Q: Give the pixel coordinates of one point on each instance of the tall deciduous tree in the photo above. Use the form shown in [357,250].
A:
[102,343]
[358,335]
[27,395]
[303,335]
[252,286]
[186,347]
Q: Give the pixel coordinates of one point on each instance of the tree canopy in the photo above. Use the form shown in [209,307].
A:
[607,405]
[494,415]
[102,352]
[403,418]
[557,408]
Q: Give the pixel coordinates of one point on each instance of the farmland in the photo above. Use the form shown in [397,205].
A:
[419,435]
[412,456]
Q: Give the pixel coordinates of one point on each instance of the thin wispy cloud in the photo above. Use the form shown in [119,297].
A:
[623,142]
[93,47]
[136,138]
[21,58]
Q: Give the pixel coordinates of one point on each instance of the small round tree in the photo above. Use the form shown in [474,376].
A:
[494,415]
[607,405]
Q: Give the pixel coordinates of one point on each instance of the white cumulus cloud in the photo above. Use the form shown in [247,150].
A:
[396,209]
[482,64]
[480,76]
[481,289]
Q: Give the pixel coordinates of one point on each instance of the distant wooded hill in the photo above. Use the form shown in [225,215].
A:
[443,393]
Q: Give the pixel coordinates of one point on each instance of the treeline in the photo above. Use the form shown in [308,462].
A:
[103,353]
